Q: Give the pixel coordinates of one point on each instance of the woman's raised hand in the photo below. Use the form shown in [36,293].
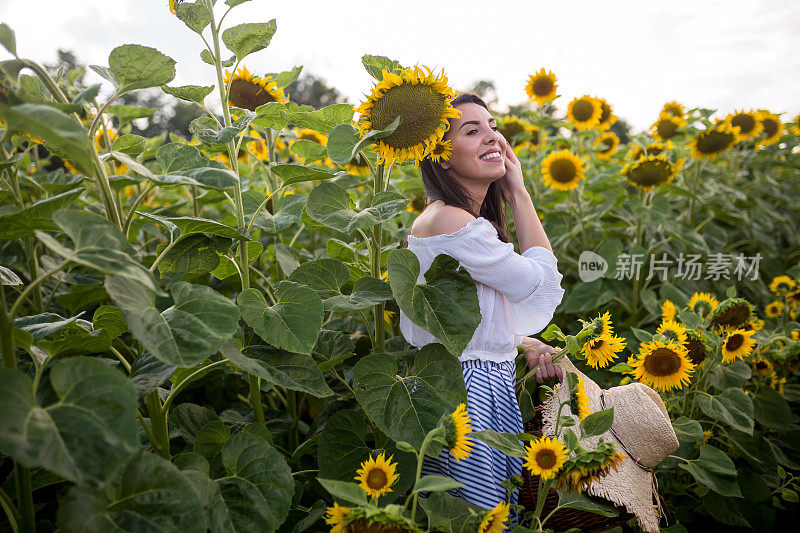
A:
[540,354]
[512,180]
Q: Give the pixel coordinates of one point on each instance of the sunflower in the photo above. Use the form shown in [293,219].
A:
[416,205]
[749,125]
[336,517]
[673,331]
[714,140]
[541,87]
[707,434]
[776,383]
[731,314]
[651,171]
[588,466]
[674,109]
[579,401]
[737,345]
[441,150]
[607,118]
[495,519]
[562,170]
[510,126]
[376,476]
[667,126]
[697,346]
[702,303]
[793,299]
[424,103]
[258,147]
[663,365]
[172,4]
[584,112]
[772,127]
[755,323]
[668,310]
[609,142]
[100,139]
[545,456]
[796,125]
[763,366]
[780,285]
[249,92]
[358,166]
[602,349]
[456,426]
[311,135]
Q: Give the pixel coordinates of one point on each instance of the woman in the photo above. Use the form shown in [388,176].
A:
[465,219]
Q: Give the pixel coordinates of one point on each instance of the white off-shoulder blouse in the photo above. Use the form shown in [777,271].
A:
[517,293]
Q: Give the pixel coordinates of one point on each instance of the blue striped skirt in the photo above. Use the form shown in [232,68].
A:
[491,404]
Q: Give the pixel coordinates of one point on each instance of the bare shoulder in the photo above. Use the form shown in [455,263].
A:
[439,218]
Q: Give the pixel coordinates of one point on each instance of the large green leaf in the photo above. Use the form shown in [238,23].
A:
[190,93]
[59,336]
[196,326]
[149,494]
[715,470]
[323,120]
[733,407]
[195,254]
[446,305]
[289,370]
[247,38]
[772,410]
[407,408]
[345,142]
[291,174]
[184,164]
[330,204]
[288,213]
[367,291]
[85,435]
[688,430]
[450,513]
[127,113]
[293,323]
[195,15]
[326,276]
[39,215]
[137,67]
[192,225]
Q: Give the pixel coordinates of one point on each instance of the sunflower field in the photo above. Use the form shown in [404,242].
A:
[203,334]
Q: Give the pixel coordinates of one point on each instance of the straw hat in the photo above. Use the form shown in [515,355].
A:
[642,432]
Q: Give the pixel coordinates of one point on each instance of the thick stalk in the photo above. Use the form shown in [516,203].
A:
[158,421]
[6,338]
[420,459]
[33,268]
[22,476]
[375,264]
[291,405]
[255,398]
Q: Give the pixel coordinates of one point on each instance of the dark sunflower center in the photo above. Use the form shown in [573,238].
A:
[734,342]
[582,110]
[662,362]
[770,126]
[420,107]
[439,149]
[795,296]
[733,316]
[542,86]
[535,137]
[510,129]
[376,479]
[650,173]
[605,112]
[696,351]
[761,366]
[666,129]
[713,141]
[597,343]
[563,170]
[746,123]
[653,149]
[672,110]
[248,95]
[546,459]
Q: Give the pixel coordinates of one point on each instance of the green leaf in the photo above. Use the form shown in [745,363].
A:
[293,323]
[333,347]
[245,39]
[451,514]
[326,276]
[733,407]
[344,142]
[227,267]
[583,502]
[195,254]
[446,305]
[191,225]
[715,470]
[367,291]
[110,318]
[291,174]
[734,374]
[434,483]
[309,151]
[195,327]
[376,64]
[210,134]
[272,115]
[288,213]
[688,430]
[288,76]
[508,443]
[22,223]
[209,440]
[344,491]
[330,204]
[132,145]
[85,434]
[195,15]
[60,132]
[407,408]
[597,423]
[9,277]
[148,494]
[190,93]
[188,419]
[148,373]
[7,38]
[137,67]
[772,410]
[323,120]
[127,113]
[234,3]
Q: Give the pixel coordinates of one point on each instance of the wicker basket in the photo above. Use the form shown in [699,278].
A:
[565,518]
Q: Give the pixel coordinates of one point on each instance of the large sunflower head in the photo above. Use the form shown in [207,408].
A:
[456,427]
[541,87]
[377,475]
[674,109]
[258,147]
[697,345]
[544,457]
[601,349]
[749,125]
[336,518]
[651,171]
[562,170]
[510,126]
[702,303]
[732,313]
[667,126]
[249,92]
[796,125]
[772,127]
[714,140]
[584,112]
[672,331]
[608,143]
[738,344]
[494,521]
[780,285]
[424,103]
[668,310]
[588,466]
[663,365]
[607,117]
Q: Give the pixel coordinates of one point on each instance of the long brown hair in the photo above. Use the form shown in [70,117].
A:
[440,185]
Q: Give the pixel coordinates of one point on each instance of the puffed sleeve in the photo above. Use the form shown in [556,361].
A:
[530,281]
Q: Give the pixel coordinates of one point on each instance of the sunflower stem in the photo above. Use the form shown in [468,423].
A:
[375,263]
[420,458]
[255,398]
[24,487]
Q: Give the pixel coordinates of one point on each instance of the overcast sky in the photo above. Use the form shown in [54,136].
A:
[637,54]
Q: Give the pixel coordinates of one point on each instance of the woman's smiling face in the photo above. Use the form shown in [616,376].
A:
[478,146]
